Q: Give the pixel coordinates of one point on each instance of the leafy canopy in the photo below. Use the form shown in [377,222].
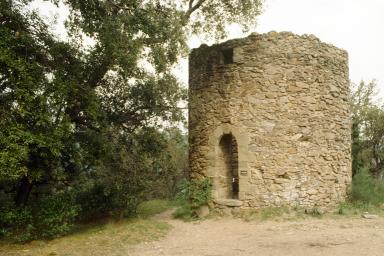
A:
[367,130]
[90,122]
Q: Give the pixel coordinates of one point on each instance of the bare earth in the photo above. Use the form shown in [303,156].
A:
[330,235]
[228,236]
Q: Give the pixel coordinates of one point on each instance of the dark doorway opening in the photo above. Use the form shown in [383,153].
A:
[228,56]
[229,166]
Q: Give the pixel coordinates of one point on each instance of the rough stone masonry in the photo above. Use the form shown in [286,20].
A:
[269,121]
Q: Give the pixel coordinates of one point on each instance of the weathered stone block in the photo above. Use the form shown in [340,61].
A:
[229,202]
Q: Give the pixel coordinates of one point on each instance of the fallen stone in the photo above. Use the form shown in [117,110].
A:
[369,216]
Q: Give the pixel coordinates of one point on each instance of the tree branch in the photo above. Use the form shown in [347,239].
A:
[120,7]
[190,4]
[192,8]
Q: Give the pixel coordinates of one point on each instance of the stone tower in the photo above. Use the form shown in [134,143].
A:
[269,120]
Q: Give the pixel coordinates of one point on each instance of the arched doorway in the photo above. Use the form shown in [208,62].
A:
[228,167]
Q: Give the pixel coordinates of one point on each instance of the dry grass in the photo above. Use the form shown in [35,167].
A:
[112,238]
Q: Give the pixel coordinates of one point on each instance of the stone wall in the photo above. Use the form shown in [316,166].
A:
[284,99]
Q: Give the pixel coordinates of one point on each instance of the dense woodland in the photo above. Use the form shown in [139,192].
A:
[91,131]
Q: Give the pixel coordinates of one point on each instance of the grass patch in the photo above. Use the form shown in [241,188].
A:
[359,208]
[366,195]
[273,212]
[109,238]
[153,207]
[185,212]
[104,236]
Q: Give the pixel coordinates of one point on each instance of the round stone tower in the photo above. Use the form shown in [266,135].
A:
[269,120]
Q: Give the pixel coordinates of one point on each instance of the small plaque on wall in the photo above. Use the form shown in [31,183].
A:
[243,172]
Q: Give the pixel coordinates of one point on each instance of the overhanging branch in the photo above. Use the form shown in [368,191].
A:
[192,7]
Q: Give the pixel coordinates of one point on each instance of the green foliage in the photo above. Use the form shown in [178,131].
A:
[33,130]
[138,168]
[196,191]
[351,208]
[55,215]
[16,222]
[185,212]
[135,168]
[95,203]
[50,217]
[366,189]
[96,119]
[343,209]
[367,149]
[212,16]
[193,194]
[177,146]
[367,130]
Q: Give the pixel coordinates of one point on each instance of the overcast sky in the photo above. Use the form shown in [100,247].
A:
[354,25]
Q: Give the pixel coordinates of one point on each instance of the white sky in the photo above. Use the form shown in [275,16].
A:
[354,25]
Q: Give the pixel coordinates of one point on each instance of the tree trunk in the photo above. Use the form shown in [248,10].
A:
[23,190]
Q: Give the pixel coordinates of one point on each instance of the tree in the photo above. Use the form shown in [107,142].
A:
[367,130]
[37,80]
[132,35]
[136,45]
[74,117]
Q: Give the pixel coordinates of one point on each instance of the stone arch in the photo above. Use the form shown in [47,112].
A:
[216,164]
[227,179]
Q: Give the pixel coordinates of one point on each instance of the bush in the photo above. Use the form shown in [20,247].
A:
[50,217]
[16,222]
[197,192]
[107,199]
[55,215]
[124,202]
[366,189]
[193,194]
[95,203]
[185,212]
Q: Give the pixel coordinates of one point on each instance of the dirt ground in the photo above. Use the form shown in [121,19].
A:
[228,236]
[329,235]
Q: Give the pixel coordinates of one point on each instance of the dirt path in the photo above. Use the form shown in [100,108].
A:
[344,236]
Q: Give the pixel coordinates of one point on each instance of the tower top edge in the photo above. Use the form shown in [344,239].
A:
[271,36]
